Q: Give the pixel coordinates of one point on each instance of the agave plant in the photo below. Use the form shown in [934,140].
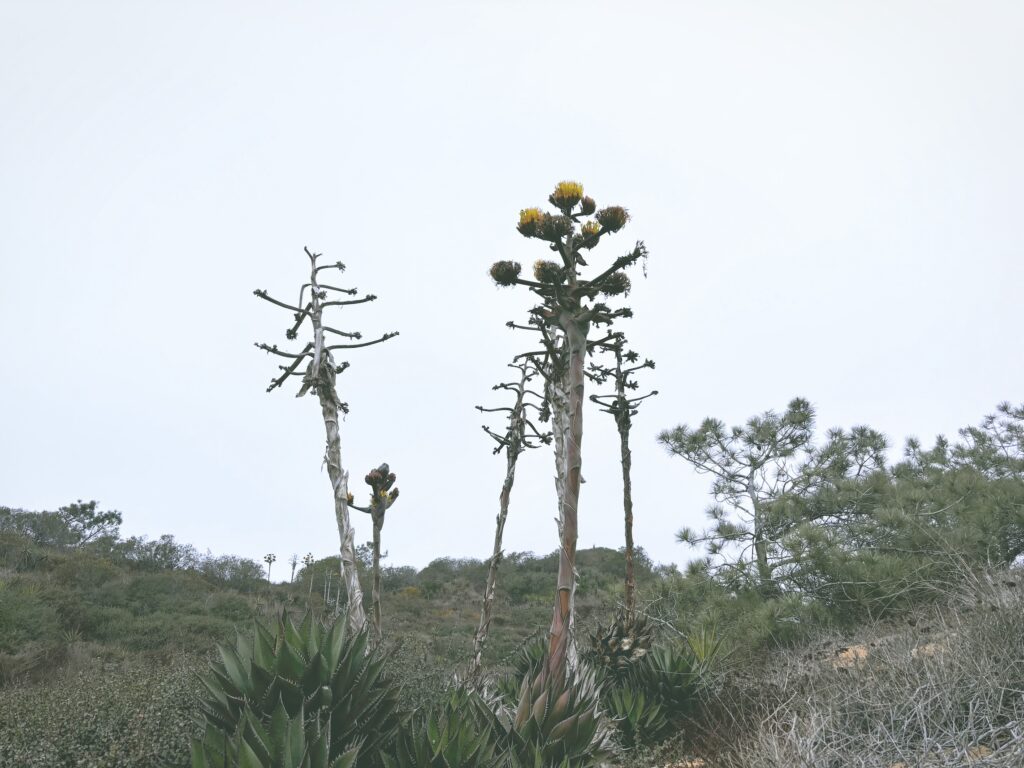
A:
[616,648]
[316,672]
[462,732]
[674,674]
[639,718]
[526,661]
[283,742]
[559,721]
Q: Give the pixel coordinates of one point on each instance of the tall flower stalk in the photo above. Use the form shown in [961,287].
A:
[308,561]
[382,496]
[623,407]
[319,377]
[568,310]
[520,434]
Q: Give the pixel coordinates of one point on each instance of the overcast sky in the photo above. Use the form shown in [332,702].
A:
[831,192]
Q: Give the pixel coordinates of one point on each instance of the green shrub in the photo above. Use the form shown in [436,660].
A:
[123,715]
[24,618]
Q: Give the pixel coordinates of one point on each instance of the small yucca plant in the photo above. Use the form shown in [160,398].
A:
[318,672]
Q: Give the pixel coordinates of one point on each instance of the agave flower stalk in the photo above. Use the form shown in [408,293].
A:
[320,377]
[382,496]
[520,434]
[269,560]
[308,561]
[623,408]
[568,307]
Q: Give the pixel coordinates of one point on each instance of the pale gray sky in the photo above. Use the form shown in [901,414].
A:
[831,193]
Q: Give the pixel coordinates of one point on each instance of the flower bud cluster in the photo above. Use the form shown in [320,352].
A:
[505,272]
[548,272]
[613,218]
[616,283]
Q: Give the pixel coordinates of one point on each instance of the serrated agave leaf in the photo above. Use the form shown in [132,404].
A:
[263,688]
[263,646]
[523,710]
[221,678]
[310,631]
[561,705]
[358,649]
[279,731]
[562,728]
[215,689]
[346,759]
[257,737]
[201,757]
[315,673]
[290,694]
[319,746]
[293,640]
[334,644]
[234,667]
[540,707]
[294,751]
[247,757]
[433,734]
[371,673]
[243,646]
[289,664]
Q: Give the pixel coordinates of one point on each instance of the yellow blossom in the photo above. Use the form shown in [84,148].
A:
[566,194]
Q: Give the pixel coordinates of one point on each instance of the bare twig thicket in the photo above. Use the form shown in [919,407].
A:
[947,692]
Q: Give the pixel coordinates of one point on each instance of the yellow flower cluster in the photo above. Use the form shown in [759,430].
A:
[530,221]
[567,194]
[530,216]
